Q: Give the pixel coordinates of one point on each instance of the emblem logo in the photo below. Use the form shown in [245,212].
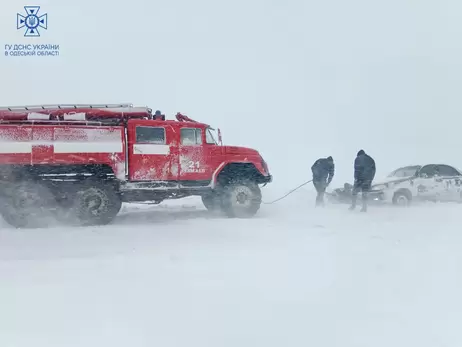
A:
[32,21]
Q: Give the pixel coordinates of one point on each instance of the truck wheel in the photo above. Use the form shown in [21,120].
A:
[28,205]
[96,204]
[241,199]
[402,198]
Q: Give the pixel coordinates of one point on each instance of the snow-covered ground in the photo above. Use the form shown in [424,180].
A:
[173,275]
[297,80]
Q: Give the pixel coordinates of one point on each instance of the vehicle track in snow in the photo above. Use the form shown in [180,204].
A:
[174,275]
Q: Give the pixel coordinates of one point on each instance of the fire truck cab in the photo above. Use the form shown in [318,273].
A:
[78,163]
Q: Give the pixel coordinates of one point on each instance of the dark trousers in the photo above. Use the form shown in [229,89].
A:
[320,186]
[363,186]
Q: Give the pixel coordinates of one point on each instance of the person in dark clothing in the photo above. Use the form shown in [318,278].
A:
[159,116]
[323,171]
[364,173]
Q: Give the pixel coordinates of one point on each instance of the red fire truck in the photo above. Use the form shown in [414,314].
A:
[78,164]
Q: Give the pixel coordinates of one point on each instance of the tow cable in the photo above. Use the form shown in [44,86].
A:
[263,202]
[290,192]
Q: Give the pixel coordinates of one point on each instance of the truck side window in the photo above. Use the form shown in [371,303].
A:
[447,171]
[428,171]
[190,136]
[155,135]
[209,137]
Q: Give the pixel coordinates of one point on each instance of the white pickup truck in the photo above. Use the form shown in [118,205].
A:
[430,182]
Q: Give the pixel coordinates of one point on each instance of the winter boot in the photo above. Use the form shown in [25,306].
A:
[364,201]
[320,200]
[353,203]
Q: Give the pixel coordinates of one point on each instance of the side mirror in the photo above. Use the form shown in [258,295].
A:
[220,139]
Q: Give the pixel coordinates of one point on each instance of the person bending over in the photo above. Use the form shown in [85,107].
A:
[323,172]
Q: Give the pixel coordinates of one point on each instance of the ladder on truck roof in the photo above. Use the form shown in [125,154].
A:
[63,106]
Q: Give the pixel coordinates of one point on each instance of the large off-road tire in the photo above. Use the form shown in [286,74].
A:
[402,198]
[28,205]
[241,199]
[96,204]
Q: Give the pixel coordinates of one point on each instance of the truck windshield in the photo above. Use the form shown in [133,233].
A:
[210,136]
[406,171]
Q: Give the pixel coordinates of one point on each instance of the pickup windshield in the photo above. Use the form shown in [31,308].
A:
[406,171]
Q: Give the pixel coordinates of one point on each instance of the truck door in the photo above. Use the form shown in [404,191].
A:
[151,149]
[449,179]
[194,161]
[426,182]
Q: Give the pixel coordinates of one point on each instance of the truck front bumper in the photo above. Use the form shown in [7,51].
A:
[266,179]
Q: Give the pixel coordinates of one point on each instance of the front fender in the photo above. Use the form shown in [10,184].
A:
[229,167]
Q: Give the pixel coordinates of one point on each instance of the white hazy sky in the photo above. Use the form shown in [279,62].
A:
[295,79]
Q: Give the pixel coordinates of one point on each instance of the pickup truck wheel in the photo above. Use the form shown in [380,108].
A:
[96,204]
[241,199]
[402,198]
[28,205]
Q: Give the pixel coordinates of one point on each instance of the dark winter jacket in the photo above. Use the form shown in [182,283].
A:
[364,167]
[323,169]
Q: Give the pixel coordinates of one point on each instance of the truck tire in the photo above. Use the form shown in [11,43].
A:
[241,199]
[28,205]
[402,198]
[96,204]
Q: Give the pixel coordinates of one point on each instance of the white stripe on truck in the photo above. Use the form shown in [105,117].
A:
[82,147]
[15,147]
[61,147]
[153,149]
